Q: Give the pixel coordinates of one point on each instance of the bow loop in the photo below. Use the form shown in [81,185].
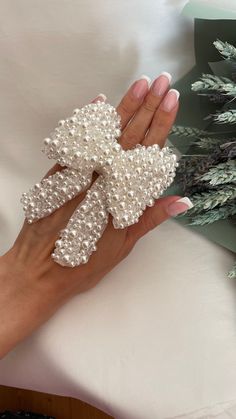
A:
[87,139]
[137,177]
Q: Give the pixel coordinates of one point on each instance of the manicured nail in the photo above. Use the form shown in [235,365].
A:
[101,97]
[161,84]
[170,100]
[141,87]
[149,81]
[179,206]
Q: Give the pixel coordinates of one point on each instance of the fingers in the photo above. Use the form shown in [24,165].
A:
[164,208]
[163,119]
[136,130]
[132,100]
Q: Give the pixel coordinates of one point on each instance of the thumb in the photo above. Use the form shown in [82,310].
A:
[164,208]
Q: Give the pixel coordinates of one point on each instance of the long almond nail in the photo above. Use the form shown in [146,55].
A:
[170,100]
[179,206]
[161,84]
[141,87]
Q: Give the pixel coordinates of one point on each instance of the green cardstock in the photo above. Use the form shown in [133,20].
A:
[210,9]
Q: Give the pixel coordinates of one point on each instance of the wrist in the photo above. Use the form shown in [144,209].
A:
[26,301]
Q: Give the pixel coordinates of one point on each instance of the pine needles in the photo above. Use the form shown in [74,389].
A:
[208,176]
[226,50]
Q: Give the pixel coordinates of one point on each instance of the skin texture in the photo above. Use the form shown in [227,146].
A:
[32,285]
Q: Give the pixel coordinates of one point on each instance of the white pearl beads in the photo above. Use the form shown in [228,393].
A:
[129,180]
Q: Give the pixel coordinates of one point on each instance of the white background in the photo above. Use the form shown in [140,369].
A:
[156,339]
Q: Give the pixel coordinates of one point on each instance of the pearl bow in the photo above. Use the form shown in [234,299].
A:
[128,182]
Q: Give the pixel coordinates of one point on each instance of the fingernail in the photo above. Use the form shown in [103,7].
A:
[144,77]
[101,97]
[179,206]
[141,87]
[170,100]
[161,84]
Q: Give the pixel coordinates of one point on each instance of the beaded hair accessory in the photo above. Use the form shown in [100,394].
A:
[128,181]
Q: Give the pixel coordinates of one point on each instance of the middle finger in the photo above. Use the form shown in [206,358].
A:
[136,130]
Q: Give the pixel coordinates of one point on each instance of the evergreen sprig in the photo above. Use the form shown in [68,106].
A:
[212,82]
[227,50]
[221,174]
[208,143]
[209,217]
[208,177]
[228,117]
[213,198]
[182,131]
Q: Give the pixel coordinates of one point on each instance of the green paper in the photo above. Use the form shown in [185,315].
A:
[222,68]
[194,108]
[209,10]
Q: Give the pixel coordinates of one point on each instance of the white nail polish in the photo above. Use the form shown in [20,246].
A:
[186,201]
[176,92]
[146,78]
[101,95]
[168,75]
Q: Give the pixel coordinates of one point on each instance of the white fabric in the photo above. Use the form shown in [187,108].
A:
[156,338]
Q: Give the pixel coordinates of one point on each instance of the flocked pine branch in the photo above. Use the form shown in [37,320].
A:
[187,131]
[221,174]
[209,217]
[227,50]
[208,143]
[232,272]
[228,117]
[209,179]
[212,198]
[212,82]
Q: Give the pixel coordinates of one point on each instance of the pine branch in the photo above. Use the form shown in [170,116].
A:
[182,131]
[216,97]
[227,50]
[209,217]
[192,167]
[229,149]
[213,198]
[212,82]
[228,117]
[232,272]
[208,143]
[221,173]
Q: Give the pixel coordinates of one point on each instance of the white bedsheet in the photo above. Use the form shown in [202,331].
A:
[156,338]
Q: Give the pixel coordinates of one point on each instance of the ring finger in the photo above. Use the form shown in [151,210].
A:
[163,119]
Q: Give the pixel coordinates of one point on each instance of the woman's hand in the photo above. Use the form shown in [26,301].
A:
[33,285]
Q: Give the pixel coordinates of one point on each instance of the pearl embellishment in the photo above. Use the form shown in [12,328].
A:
[128,181]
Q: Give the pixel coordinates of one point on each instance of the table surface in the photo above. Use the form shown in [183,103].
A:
[156,338]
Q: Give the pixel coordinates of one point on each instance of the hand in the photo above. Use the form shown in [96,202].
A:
[33,285]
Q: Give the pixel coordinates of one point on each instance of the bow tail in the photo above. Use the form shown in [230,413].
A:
[53,192]
[85,227]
